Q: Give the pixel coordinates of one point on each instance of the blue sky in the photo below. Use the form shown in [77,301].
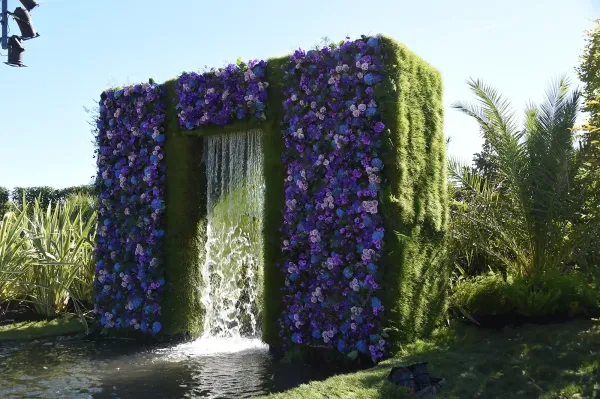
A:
[88,45]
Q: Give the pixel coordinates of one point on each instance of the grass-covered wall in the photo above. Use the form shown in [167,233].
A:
[412,200]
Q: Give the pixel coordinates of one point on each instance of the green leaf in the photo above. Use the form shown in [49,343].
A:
[385,335]
[353,355]
[239,61]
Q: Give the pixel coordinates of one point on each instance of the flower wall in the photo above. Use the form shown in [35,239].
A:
[222,95]
[333,230]
[130,182]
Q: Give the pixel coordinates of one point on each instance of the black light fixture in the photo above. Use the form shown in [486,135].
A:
[24,21]
[29,4]
[15,49]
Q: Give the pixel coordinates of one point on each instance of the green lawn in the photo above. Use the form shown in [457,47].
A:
[40,329]
[553,361]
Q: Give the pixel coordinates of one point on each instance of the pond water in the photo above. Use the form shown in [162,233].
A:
[208,368]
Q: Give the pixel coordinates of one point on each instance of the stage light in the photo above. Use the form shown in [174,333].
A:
[29,4]
[24,21]
[15,49]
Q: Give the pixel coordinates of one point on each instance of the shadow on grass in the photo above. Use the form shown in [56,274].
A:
[551,361]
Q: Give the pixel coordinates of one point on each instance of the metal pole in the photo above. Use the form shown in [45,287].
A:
[4,38]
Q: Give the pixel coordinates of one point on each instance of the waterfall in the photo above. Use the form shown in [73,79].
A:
[232,270]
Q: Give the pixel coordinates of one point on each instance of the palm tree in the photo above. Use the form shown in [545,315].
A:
[522,219]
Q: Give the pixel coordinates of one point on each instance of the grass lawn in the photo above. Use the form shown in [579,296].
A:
[551,361]
[40,329]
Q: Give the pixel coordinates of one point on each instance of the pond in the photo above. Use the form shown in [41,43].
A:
[208,368]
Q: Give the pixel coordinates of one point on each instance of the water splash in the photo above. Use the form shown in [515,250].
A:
[232,269]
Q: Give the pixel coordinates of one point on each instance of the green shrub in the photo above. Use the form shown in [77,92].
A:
[541,295]
[553,293]
[485,294]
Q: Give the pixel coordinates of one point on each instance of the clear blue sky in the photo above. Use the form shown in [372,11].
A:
[88,45]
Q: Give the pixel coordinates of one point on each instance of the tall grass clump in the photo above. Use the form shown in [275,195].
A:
[47,255]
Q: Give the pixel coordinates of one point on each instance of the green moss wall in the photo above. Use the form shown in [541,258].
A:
[414,203]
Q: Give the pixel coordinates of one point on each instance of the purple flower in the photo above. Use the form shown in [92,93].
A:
[332,233]
[220,96]
[131,175]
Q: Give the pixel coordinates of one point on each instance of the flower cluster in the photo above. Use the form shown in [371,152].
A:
[333,231]
[130,182]
[220,96]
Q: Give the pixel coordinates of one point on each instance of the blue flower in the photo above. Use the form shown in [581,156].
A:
[144,327]
[375,302]
[316,333]
[258,71]
[156,204]
[372,268]
[341,345]
[342,129]
[137,302]
[348,272]
[374,338]
[377,163]
[156,326]
[344,328]
[297,338]
[339,212]
[160,138]
[373,42]
[117,267]
[371,111]
[361,346]
[369,78]
[378,235]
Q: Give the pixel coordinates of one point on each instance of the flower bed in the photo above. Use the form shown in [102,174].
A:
[130,182]
[222,95]
[333,231]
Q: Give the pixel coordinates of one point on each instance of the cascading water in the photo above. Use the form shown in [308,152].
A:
[232,269]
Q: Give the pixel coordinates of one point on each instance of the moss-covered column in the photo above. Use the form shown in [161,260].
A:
[185,236]
[414,200]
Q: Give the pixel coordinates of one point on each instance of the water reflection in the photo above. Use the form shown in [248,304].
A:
[120,369]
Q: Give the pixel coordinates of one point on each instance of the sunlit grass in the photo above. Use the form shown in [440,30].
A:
[553,361]
[40,329]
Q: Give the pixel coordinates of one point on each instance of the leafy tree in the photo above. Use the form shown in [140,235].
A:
[4,197]
[521,216]
[589,176]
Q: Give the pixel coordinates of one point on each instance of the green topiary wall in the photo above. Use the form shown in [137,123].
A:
[413,204]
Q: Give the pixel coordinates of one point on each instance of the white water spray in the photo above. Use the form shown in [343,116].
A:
[232,269]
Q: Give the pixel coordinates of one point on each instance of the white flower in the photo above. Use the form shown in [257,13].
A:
[362,107]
